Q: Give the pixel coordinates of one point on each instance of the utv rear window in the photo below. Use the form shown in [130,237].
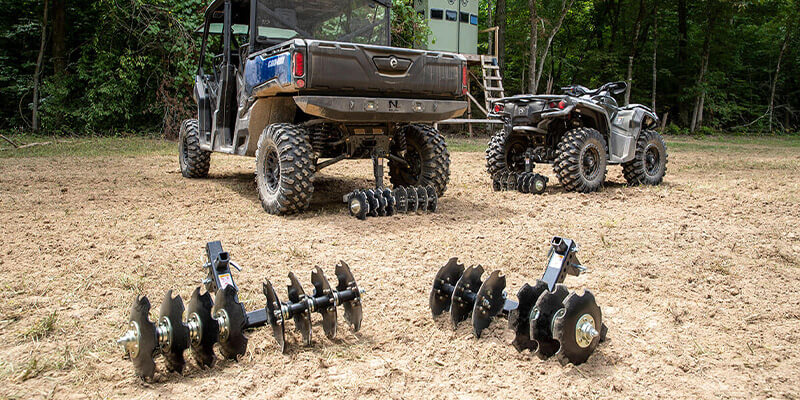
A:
[437,13]
[465,17]
[452,15]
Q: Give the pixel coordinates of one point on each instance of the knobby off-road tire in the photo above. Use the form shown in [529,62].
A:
[193,160]
[285,169]
[649,164]
[425,151]
[501,150]
[582,160]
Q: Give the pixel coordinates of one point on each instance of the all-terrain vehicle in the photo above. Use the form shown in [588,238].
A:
[304,84]
[580,132]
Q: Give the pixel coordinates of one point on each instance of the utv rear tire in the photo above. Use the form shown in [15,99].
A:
[649,165]
[582,160]
[284,169]
[425,151]
[193,160]
[505,152]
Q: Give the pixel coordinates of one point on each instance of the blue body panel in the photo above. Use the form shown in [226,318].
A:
[260,70]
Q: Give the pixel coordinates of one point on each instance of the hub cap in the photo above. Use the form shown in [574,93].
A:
[585,331]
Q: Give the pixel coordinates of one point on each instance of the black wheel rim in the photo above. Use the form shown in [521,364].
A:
[652,160]
[590,162]
[272,170]
[184,152]
[515,156]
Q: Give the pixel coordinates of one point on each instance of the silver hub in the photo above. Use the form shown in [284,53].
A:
[355,206]
[130,341]
[585,331]
[224,324]
[164,333]
[195,327]
[539,185]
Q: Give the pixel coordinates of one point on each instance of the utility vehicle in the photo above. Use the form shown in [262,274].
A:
[580,132]
[304,84]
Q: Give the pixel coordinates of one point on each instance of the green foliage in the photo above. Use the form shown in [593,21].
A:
[130,63]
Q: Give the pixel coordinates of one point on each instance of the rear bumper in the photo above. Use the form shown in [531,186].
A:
[378,109]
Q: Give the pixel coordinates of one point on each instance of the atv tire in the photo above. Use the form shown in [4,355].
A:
[193,160]
[424,150]
[582,160]
[502,150]
[285,167]
[649,164]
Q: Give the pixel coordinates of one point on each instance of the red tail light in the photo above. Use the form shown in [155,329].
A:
[560,105]
[464,79]
[299,64]
[498,108]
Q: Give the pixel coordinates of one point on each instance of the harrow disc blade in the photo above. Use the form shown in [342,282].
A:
[390,202]
[449,274]
[578,328]
[172,310]
[519,319]
[541,320]
[538,184]
[234,342]
[496,183]
[275,315]
[203,348]
[422,196]
[323,288]
[352,309]
[401,199]
[463,294]
[143,363]
[413,199]
[302,321]
[359,205]
[511,181]
[373,203]
[433,199]
[521,180]
[382,203]
[489,302]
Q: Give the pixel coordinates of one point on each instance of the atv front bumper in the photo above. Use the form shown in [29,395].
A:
[378,109]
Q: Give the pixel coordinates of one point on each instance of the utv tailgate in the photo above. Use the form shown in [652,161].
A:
[353,69]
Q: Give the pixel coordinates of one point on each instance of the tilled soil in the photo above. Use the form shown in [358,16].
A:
[697,279]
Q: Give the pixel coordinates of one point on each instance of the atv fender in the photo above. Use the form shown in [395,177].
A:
[626,126]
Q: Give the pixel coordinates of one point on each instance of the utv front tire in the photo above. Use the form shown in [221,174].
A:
[284,169]
[582,160]
[649,164]
[506,152]
[425,152]
[193,160]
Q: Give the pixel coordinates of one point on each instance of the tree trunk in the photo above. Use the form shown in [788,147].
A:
[534,47]
[681,111]
[697,115]
[775,78]
[59,48]
[634,47]
[655,53]
[565,6]
[37,75]
[500,22]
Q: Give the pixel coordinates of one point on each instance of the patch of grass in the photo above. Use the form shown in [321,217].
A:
[87,147]
[732,143]
[42,328]
[466,145]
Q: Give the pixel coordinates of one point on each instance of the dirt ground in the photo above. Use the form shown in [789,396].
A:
[697,278]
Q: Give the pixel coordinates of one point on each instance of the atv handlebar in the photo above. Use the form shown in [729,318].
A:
[578,90]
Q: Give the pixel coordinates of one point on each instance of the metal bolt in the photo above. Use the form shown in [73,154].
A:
[585,331]
[130,340]
[195,327]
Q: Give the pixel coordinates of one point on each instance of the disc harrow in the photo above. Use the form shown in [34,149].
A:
[382,202]
[524,182]
[223,320]
[547,319]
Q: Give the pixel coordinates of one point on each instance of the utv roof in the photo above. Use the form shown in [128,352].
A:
[241,10]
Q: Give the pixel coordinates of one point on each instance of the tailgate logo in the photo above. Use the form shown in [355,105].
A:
[393,105]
